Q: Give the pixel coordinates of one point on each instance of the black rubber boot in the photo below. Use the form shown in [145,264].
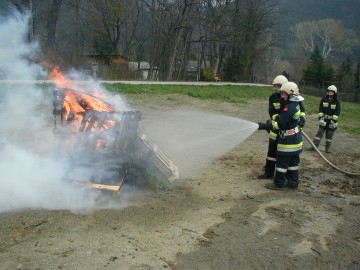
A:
[327,149]
[265,176]
[316,142]
[273,186]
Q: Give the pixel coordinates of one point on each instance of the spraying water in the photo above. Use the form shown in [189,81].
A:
[193,139]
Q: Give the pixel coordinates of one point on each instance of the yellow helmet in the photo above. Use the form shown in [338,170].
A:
[290,88]
[280,80]
[332,88]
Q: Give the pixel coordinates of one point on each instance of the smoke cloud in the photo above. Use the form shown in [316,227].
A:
[31,170]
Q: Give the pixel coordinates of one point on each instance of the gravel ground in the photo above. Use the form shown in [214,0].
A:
[216,216]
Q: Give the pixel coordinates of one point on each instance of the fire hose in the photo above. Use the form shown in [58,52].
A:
[325,159]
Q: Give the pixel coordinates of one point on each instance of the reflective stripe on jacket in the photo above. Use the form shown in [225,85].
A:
[274,105]
[289,138]
[329,110]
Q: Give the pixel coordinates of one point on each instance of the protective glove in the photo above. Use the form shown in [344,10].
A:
[263,126]
[321,122]
[301,121]
[332,124]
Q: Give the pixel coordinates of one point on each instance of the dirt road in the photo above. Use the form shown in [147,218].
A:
[220,218]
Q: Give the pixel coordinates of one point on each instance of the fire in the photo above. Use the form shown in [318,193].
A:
[77,105]
[104,138]
[59,78]
[79,108]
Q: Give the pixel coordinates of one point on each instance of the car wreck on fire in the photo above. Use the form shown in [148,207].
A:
[108,144]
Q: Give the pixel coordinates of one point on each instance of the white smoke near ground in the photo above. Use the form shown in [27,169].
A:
[31,171]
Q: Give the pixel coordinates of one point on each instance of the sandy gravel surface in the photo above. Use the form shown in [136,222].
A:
[220,216]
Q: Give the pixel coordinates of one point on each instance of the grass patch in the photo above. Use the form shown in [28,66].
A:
[226,93]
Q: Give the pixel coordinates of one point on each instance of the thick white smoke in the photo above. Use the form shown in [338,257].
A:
[14,48]
[31,172]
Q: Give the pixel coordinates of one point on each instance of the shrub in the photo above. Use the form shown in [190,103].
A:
[207,74]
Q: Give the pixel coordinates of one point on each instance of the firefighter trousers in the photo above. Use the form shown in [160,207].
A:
[287,168]
[329,133]
[271,158]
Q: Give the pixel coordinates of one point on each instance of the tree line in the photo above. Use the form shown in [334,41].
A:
[234,39]
[319,73]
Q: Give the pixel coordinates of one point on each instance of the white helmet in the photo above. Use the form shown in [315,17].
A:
[332,88]
[290,88]
[280,80]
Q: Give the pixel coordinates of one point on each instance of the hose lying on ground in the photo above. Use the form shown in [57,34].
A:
[324,158]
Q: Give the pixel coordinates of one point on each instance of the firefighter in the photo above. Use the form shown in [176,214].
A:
[290,143]
[275,105]
[329,112]
[274,110]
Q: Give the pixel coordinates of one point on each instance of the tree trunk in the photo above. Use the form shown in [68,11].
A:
[53,18]
[173,54]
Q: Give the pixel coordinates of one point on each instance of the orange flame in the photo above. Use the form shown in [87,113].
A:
[77,103]
[59,78]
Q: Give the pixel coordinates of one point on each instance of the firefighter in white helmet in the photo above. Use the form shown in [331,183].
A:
[290,143]
[274,110]
[329,112]
[275,105]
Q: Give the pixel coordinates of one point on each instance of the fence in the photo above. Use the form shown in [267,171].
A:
[317,92]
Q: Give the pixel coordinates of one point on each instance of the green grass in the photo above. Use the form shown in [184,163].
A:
[349,120]
[226,93]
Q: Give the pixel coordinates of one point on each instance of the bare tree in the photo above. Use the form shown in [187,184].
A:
[52,21]
[47,31]
[106,18]
[77,25]
[172,26]
[137,33]
[27,6]
[251,24]
[216,29]
[70,32]
[328,34]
